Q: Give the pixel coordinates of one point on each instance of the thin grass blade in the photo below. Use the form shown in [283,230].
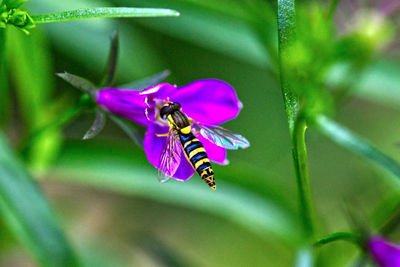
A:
[28,215]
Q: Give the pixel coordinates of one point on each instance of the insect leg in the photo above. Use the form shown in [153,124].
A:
[166,134]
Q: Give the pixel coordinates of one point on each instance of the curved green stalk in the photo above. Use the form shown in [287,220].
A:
[297,124]
[299,153]
[346,236]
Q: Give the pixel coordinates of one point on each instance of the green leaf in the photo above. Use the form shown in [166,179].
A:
[129,172]
[27,214]
[129,128]
[97,126]
[355,144]
[112,61]
[146,82]
[13,3]
[104,12]
[79,82]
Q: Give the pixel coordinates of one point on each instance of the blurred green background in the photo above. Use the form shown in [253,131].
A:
[106,194]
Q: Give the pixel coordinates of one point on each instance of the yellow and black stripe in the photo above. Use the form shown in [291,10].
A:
[197,156]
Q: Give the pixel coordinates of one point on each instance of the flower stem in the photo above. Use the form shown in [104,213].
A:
[297,123]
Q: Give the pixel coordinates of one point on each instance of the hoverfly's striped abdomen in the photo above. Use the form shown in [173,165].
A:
[197,156]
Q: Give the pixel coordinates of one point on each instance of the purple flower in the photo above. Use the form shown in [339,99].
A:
[383,252]
[209,102]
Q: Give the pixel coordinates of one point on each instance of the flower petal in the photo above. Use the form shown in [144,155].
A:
[161,90]
[208,101]
[384,253]
[153,146]
[126,103]
[154,96]
[185,170]
[214,152]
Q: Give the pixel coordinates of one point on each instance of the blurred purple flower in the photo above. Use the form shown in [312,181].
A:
[384,253]
[366,17]
[210,102]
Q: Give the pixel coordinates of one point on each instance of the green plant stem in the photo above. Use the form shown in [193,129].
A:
[104,12]
[297,124]
[346,236]
[286,37]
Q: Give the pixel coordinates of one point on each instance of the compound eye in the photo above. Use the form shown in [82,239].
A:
[175,106]
[164,112]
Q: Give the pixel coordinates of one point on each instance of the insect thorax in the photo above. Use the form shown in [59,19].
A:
[172,112]
[179,119]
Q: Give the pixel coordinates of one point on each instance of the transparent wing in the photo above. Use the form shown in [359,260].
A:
[222,137]
[170,157]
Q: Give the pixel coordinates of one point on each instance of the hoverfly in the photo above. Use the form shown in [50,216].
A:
[180,137]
